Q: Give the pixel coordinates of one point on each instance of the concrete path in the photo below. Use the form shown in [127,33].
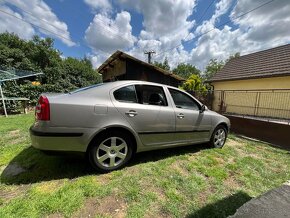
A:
[273,204]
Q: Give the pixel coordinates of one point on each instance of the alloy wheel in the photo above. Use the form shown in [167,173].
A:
[219,138]
[112,152]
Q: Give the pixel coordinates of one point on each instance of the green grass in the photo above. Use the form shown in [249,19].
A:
[181,182]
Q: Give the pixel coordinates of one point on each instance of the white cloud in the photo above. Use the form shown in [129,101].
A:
[108,34]
[266,24]
[103,5]
[7,23]
[39,11]
[166,24]
[97,59]
[163,17]
[262,29]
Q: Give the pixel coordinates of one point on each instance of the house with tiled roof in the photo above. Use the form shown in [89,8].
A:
[268,69]
[256,84]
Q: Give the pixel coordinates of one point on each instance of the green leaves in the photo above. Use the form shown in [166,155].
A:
[39,55]
[194,83]
[186,70]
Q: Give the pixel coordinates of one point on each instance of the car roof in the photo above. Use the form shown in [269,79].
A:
[125,82]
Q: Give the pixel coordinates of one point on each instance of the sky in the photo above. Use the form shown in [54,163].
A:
[183,31]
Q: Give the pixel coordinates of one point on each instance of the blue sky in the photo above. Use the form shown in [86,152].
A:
[97,28]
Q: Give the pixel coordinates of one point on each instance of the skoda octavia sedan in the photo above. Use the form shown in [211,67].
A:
[112,121]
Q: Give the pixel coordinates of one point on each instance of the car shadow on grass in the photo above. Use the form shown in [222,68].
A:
[222,208]
[156,155]
[32,166]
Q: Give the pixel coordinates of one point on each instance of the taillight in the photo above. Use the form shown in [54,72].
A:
[42,110]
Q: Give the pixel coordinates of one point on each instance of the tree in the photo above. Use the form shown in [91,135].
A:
[39,55]
[236,55]
[212,68]
[186,70]
[164,65]
[194,83]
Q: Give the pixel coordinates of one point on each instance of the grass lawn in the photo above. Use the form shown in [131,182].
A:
[183,182]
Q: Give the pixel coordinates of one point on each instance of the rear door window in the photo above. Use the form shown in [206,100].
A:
[151,95]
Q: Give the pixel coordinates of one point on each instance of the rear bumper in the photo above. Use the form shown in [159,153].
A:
[58,141]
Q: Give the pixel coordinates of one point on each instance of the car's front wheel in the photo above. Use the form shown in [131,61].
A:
[218,137]
[110,151]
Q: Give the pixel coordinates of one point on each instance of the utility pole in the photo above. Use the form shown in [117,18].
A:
[149,53]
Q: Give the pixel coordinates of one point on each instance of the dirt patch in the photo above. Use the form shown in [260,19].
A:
[103,179]
[107,206]
[113,206]
[179,168]
[219,160]
[234,143]
[54,215]
[14,133]
[89,209]
[13,192]
[13,170]
[231,183]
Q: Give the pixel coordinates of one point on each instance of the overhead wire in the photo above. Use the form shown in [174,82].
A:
[200,18]
[224,23]
[102,23]
[19,18]
[45,29]
[32,15]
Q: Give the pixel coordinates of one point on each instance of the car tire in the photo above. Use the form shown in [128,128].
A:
[110,151]
[218,137]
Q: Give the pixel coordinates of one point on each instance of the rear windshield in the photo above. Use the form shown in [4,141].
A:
[85,88]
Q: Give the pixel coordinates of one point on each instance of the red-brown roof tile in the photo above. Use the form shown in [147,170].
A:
[263,64]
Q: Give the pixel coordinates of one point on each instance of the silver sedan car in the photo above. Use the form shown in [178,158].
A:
[112,121]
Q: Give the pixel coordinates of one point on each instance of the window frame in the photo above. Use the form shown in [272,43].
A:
[186,94]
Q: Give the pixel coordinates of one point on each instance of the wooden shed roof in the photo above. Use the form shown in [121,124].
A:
[268,63]
[119,55]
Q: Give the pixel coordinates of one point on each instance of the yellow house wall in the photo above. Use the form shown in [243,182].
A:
[270,104]
[264,83]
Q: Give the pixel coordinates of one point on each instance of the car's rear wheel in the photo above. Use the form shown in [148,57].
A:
[110,151]
[218,137]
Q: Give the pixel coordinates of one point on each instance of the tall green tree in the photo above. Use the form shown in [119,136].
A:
[163,65]
[186,70]
[212,68]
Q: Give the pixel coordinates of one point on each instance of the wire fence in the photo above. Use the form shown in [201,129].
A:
[271,105]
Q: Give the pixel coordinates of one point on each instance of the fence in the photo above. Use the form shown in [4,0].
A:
[264,104]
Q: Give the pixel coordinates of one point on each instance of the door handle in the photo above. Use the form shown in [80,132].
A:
[131,113]
[180,116]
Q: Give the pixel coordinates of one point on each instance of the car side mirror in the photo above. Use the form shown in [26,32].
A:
[202,109]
